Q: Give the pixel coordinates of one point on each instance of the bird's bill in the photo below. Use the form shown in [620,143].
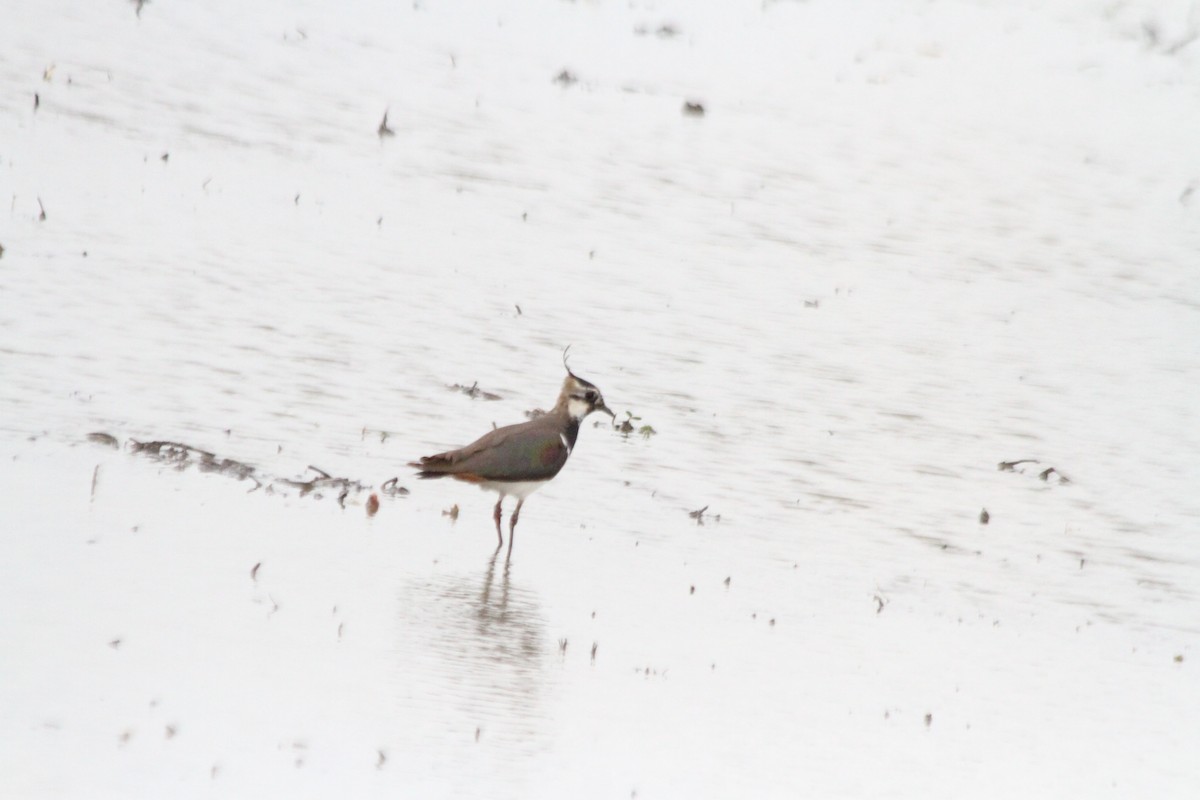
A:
[601,407]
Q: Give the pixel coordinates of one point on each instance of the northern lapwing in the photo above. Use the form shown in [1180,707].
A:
[519,459]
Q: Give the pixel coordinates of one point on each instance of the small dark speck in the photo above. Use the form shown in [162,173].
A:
[383,129]
[928,720]
[692,590]
[478,731]
[114,644]
[984,517]
[727,580]
[165,157]
[382,759]
[772,622]
[1179,658]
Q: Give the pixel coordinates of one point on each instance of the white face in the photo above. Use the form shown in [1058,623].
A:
[578,408]
[582,399]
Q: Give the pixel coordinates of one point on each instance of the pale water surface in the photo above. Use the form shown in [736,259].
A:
[905,242]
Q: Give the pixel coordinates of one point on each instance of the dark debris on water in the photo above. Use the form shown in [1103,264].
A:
[315,482]
[474,392]
[1045,474]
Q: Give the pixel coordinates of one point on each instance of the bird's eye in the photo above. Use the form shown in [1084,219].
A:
[590,396]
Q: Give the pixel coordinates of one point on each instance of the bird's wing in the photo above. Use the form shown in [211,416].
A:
[527,451]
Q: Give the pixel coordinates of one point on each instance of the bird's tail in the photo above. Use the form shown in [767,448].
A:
[431,467]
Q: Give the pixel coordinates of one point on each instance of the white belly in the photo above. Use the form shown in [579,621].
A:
[517,489]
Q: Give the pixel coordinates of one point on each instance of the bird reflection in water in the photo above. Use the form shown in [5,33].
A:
[474,656]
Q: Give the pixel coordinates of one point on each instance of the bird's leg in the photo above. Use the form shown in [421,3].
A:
[496,517]
[512,523]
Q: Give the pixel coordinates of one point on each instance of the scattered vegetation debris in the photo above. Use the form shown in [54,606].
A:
[137,10]
[324,480]
[663,31]
[534,413]
[452,512]
[812,303]
[1179,658]
[372,505]
[181,456]
[626,426]
[596,646]
[1045,474]
[382,759]
[41,211]
[392,488]
[165,157]
[383,130]
[254,571]
[474,392]
[115,643]
[170,732]
[692,589]
[880,602]
[928,720]
[984,517]
[562,646]
[698,515]
[478,731]
[693,108]
[771,622]
[1,251]
[95,480]
[728,578]
[566,78]
[383,435]
[37,101]
[518,307]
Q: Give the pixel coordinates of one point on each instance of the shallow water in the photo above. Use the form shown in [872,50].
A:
[887,258]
